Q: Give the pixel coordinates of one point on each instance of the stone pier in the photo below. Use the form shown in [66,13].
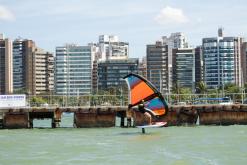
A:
[223,114]
[15,120]
[94,117]
[86,117]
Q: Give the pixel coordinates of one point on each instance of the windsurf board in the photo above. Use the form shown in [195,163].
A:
[155,125]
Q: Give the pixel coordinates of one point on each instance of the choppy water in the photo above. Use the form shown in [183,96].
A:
[198,145]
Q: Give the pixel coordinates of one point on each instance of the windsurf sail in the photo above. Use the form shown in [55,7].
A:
[141,89]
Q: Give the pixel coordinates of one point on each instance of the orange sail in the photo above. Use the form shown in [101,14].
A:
[141,89]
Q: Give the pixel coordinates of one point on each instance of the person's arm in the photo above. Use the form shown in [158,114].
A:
[150,112]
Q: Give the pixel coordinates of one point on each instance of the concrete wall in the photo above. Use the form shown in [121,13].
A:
[210,115]
[223,115]
[15,120]
[106,116]
[170,118]
[95,118]
[178,115]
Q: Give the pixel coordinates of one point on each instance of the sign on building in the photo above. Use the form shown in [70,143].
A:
[12,101]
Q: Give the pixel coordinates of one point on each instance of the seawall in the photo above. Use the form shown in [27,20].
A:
[86,117]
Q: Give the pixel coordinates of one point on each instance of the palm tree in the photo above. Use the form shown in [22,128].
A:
[176,89]
[231,90]
[201,86]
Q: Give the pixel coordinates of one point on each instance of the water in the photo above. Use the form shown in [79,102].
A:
[197,145]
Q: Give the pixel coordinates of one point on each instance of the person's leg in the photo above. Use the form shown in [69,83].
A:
[149,117]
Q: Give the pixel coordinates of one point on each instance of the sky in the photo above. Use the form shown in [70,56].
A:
[52,23]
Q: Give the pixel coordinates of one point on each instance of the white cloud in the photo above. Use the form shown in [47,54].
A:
[6,14]
[169,15]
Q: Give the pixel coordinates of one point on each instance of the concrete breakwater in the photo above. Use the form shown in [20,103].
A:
[85,117]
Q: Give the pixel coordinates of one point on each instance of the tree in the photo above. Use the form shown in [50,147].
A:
[176,89]
[185,91]
[231,90]
[245,87]
[201,87]
[37,101]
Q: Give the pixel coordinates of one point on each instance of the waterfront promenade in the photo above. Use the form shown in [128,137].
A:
[105,116]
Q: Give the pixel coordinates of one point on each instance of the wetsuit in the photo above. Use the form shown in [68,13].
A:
[141,108]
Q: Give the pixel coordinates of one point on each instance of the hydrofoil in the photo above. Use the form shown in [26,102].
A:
[154,125]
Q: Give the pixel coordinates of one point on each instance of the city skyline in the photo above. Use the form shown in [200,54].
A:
[52,23]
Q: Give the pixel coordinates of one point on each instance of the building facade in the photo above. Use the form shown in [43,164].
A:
[157,66]
[111,48]
[44,72]
[111,72]
[184,67]
[143,67]
[159,60]
[108,48]
[244,61]
[23,65]
[222,61]
[73,70]
[33,68]
[176,40]
[198,65]
[18,64]
[6,66]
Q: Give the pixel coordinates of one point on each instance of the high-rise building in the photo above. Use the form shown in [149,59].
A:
[184,67]
[29,66]
[198,65]
[6,69]
[111,48]
[32,68]
[108,48]
[95,58]
[222,60]
[73,70]
[43,72]
[142,70]
[244,61]
[23,66]
[111,72]
[159,69]
[176,40]
[157,66]
[19,64]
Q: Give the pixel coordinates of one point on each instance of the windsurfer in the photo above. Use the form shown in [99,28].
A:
[149,100]
[142,109]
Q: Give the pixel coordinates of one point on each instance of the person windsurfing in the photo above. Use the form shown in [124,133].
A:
[148,99]
[143,110]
